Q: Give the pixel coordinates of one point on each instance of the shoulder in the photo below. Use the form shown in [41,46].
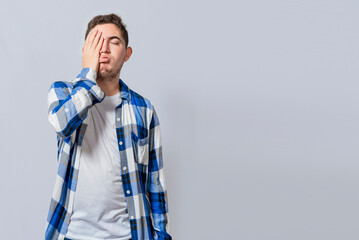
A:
[140,101]
[144,110]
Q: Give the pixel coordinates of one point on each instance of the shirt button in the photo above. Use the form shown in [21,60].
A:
[118,119]
[66,109]
[124,168]
[128,191]
[121,142]
[132,217]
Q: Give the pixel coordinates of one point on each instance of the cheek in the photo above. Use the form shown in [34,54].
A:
[120,54]
[116,50]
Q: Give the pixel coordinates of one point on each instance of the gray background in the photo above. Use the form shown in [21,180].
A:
[258,103]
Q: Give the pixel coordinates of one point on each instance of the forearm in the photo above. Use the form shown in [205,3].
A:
[68,103]
[159,208]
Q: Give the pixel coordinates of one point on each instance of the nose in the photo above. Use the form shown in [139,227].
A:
[105,48]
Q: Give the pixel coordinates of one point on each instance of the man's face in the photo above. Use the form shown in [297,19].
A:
[113,52]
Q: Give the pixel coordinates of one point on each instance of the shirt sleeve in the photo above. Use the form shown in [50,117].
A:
[156,182]
[68,103]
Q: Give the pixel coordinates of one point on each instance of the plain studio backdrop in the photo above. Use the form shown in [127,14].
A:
[257,100]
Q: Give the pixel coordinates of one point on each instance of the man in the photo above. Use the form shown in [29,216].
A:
[110,181]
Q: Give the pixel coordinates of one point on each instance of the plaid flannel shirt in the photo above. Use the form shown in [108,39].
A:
[140,149]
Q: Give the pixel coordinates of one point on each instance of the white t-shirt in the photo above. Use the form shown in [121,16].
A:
[100,208]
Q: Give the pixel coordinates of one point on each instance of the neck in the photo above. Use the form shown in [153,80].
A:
[109,85]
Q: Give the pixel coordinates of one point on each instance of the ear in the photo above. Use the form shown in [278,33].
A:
[82,49]
[128,53]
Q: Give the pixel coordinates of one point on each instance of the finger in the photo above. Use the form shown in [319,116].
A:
[99,45]
[89,38]
[96,40]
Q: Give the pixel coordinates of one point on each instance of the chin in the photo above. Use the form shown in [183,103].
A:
[105,69]
[106,73]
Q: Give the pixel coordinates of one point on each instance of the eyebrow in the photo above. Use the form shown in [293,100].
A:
[113,37]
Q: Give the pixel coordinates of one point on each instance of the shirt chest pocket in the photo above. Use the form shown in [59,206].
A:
[142,150]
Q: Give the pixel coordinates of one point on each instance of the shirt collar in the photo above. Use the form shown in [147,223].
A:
[124,90]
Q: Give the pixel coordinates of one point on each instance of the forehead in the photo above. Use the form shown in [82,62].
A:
[108,29]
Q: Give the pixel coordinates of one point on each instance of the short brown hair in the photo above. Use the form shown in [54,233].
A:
[109,18]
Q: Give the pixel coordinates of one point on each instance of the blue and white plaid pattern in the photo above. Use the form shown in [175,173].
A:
[140,147]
